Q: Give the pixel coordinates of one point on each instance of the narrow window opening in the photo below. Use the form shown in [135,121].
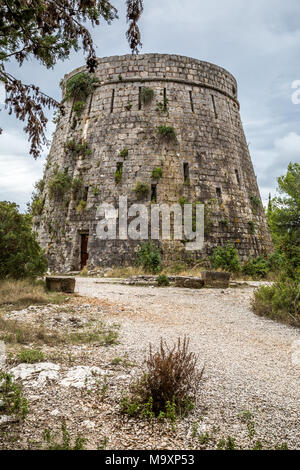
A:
[85,193]
[154,193]
[191,100]
[140,97]
[237,177]
[219,193]
[71,112]
[84,255]
[186,172]
[214,105]
[112,101]
[165,100]
[90,104]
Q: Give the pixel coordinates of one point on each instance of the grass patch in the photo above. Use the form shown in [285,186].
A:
[23,293]
[30,356]
[102,334]
[63,441]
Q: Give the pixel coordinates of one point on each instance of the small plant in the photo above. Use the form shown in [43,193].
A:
[60,184]
[141,189]
[37,206]
[96,191]
[167,132]
[81,206]
[12,401]
[78,149]
[147,95]
[80,86]
[255,202]
[226,444]
[30,356]
[104,443]
[77,186]
[118,175]
[182,201]
[149,257]
[124,152]
[78,108]
[226,258]
[169,384]
[162,106]
[252,226]
[225,223]
[163,280]
[157,173]
[128,106]
[63,442]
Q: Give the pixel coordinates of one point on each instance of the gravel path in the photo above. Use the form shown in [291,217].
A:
[251,363]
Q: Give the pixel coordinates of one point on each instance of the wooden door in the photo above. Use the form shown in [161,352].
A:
[84,252]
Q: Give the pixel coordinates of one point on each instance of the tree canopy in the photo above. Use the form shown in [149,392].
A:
[48,30]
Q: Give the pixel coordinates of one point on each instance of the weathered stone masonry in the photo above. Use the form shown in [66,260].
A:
[209,161]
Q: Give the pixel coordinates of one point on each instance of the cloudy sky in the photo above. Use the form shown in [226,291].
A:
[257,41]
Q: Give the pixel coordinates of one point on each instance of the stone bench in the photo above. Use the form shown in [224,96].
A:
[189,282]
[215,279]
[60,284]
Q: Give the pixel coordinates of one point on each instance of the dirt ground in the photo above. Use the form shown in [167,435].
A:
[249,392]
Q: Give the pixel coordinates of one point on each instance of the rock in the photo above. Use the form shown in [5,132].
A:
[82,376]
[60,284]
[215,279]
[189,282]
[37,374]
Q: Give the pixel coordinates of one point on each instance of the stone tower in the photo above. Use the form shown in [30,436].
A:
[114,143]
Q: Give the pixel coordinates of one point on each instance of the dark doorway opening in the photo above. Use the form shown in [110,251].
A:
[83,252]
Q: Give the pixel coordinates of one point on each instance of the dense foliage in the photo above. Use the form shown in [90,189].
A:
[226,258]
[20,254]
[149,257]
[48,31]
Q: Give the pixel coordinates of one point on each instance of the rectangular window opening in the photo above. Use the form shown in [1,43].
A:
[119,167]
[191,101]
[165,100]
[153,193]
[219,193]
[140,97]
[237,177]
[112,101]
[186,172]
[214,105]
[85,193]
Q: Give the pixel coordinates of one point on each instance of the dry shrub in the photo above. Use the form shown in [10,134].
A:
[24,293]
[171,378]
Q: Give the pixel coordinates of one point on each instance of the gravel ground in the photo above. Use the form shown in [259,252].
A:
[248,360]
[251,364]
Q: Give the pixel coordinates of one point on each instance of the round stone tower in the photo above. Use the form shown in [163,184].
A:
[115,145]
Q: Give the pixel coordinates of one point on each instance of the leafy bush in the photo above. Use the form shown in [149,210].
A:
[118,175]
[226,258]
[81,206]
[37,205]
[147,95]
[252,226]
[30,356]
[255,202]
[78,108]
[124,152]
[80,86]
[141,189]
[60,184]
[12,401]
[157,173]
[149,257]
[76,149]
[169,384]
[167,132]
[163,280]
[259,267]
[281,302]
[77,186]
[20,254]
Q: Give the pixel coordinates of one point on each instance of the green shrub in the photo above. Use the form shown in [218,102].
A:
[20,254]
[256,267]
[226,258]
[96,191]
[141,189]
[77,186]
[163,280]
[30,356]
[81,206]
[169,385]
[80,86]
[280,302]
[255,202]
[162,106]
[147,95]
[60,184]
[124,152]
[149,257]
[78,107]
[157,173]
[128,106]
[252,226]
[167,132]
[118,175]
[12,401]
[37,205]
